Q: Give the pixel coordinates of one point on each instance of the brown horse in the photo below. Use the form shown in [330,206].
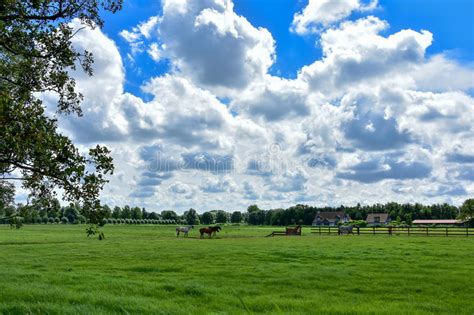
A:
[211,230]
[215,229]
[206,230]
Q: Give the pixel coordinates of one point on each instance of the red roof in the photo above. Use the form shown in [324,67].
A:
[435,221]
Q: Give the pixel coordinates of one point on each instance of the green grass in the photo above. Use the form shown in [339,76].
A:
[55,269]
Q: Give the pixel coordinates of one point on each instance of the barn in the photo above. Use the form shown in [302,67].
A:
[439,222]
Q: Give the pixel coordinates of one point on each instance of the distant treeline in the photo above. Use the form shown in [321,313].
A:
[298,214]
[304,214]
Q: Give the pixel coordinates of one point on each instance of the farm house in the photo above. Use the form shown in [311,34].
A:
[330,218]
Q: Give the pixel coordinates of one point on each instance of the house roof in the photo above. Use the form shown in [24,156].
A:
[383,217]
[330,215]
[436,221]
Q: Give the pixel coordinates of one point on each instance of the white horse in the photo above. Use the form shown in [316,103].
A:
[184,229]
[345,230]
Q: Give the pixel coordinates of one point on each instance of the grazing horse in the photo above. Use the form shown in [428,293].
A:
[345,230]
[206,230]
[215,229]
[184,229]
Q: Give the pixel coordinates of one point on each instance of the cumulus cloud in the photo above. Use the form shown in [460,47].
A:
[141,33]
[441,74]
[451,190]
[375,116]
[288,181]
[273,99]
[249,191]
[218,185]
[323,13]
[460,158]
[207,42]
[378,169]
[372,131]
[355,53]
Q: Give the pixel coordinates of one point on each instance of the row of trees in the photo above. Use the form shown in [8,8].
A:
[304,214]
[36,212]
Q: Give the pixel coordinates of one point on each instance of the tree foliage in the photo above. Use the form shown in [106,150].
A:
[36,56]
[467,211]
[207,218]
[191,217]
[169,215]
[222,216]
[236,217]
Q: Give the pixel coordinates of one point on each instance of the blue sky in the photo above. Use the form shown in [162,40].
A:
[218,104]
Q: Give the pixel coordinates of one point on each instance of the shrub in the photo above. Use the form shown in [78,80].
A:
[57,220]
[64,220]
[359,223]
[37,220]
[51,220]
[104,221]
[44,220]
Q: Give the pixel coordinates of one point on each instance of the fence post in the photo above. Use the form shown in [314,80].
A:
[408,231]
[446,231]
[467,231]
[358,233]
[319,230]
[427,231]
[373,228]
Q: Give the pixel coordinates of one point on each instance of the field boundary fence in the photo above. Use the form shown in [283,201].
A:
[408,231]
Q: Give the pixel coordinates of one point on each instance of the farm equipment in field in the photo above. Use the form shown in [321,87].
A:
[288,232]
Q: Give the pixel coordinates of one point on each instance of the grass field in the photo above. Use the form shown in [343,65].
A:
[55,269]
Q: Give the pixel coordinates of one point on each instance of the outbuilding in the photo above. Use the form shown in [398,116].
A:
[374,219]
[440,222]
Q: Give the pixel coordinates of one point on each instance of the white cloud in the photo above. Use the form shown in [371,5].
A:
[319,14]
[273,99]
[355,54]
[155,52]
[218,185]
[139,34]
[442,74]
[209,43]
[374,120]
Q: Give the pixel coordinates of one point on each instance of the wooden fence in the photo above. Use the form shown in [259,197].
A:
[423,231]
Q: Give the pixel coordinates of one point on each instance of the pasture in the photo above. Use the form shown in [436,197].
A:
[55,269]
